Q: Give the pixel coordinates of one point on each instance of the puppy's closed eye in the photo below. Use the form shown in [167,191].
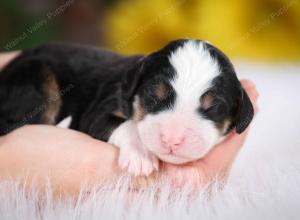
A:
[207,100]
[161,90]
[213,107]
[157,96]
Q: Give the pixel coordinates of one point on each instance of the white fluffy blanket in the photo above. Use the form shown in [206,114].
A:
[264,183]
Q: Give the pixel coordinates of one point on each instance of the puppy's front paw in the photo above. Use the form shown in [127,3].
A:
[133,158]
[137,162]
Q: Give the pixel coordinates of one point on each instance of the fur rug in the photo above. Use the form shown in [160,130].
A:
[264,182]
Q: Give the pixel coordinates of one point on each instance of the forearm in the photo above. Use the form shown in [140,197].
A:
[23,156]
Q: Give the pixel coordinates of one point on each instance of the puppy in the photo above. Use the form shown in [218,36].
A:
[174,104]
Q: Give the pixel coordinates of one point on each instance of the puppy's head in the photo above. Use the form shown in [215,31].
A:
[185,98]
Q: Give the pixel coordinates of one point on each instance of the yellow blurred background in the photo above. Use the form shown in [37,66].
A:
[267,30]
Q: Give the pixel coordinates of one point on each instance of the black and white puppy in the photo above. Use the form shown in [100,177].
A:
[174,104]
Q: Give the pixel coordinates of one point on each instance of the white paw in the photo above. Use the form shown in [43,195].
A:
[138,163]
[133,158]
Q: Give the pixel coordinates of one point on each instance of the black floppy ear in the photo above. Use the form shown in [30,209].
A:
[131,80]
[245,114]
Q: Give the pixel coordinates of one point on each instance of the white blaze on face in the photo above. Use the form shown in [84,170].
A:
[194,71]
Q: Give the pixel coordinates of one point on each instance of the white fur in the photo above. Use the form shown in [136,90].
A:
[264,183]
[65,123]
[133,157]
[194,71]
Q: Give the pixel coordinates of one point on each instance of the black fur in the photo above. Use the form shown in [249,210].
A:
[231,101]
[95,76]
[94,84]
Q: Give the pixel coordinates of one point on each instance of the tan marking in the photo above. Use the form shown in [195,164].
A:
[51,89]
[223,127]
[207,100]
[139,113]
[161,90]
[119,114]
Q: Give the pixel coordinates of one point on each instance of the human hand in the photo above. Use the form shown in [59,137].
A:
[217,163]
[7,57]
[65,157]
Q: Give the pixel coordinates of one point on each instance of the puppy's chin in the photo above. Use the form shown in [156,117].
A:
[174,159]
[182,157]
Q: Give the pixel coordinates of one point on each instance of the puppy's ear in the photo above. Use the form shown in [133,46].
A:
[245,114]
[131,80]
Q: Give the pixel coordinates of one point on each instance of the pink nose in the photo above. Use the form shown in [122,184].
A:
[172,142]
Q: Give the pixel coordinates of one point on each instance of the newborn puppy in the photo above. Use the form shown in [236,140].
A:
[174,104]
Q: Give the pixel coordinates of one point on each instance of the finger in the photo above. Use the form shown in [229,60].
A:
[246,83]
[222,155]
[253,94]
[7,57]
[249,87]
